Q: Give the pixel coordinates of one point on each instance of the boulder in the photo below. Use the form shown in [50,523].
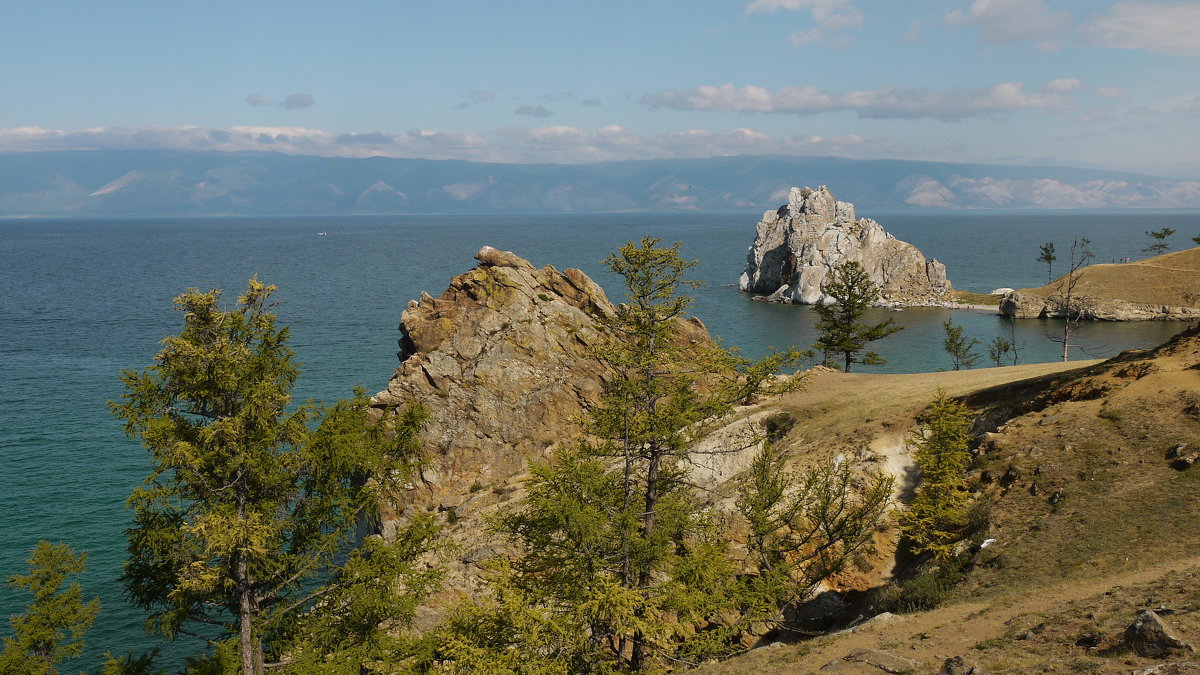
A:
[798,245]
[958,665]
[1151,637]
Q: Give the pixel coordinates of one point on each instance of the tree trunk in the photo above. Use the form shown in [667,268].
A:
[246,620]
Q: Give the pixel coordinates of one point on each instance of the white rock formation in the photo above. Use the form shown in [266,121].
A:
[799,244]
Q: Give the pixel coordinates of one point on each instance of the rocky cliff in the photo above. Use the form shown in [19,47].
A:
[798,245]
[505,361]
[502,361]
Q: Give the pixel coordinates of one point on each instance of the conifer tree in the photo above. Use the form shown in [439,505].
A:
[805,528]
[53,625]
[1158,241]
[997,349]
[935,519]
[841,326]
[1047,256]
[619,556]
[245,530]
[961,349]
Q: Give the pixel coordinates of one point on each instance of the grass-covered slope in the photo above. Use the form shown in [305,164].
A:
[1091,518]
[1171,279]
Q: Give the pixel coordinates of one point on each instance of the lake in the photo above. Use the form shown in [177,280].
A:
[82,299]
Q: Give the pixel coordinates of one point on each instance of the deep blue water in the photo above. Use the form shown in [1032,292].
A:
[80,300]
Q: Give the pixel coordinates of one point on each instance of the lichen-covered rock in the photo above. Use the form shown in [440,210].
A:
[798,245]
[503,360]
[1150,636]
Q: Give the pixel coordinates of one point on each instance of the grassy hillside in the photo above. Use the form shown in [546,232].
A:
[1169,279]
[1090,518]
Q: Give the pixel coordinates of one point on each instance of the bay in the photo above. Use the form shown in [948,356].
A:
[82,299]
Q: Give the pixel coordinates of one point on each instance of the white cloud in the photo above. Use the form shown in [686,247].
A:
[291,102]
[1192,106]
[1110,92]
[886,102]
[830,17]
[1008,21]
[557,143]
[1063,85]
[914,31]
[476,97]
[298,101]
[534,111]
[1160,27]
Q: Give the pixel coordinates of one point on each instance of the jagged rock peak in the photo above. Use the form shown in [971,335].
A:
[504,360]
[798,245]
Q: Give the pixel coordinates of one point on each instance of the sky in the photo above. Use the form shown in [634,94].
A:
[1091,83]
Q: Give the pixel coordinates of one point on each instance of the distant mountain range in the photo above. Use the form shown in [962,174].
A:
[176,183]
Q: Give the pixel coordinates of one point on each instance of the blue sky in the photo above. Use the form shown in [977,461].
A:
[1085,83]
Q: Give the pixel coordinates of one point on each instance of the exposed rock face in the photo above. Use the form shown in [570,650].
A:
[799,244]
[502,360]
[1026,305]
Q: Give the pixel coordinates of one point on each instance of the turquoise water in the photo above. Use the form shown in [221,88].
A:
[80,300]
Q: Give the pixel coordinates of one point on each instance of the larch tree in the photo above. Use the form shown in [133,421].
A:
[1047,256]
[935,519]
[842,330]
[620,559]
[244,533]
[807,527]
[960,348]
[51,628]
[1081,255]
[1158,241]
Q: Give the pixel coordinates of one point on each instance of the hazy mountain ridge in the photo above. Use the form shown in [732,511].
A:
[154,183]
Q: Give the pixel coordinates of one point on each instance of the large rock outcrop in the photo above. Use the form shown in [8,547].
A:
[799,244]
[502,360]
[505,361]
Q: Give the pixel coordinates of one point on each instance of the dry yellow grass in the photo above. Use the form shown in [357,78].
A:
[1170,279]
[1097,523]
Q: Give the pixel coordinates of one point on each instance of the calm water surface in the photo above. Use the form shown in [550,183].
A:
[80,300]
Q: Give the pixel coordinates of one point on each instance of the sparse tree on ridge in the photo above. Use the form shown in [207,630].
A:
[1158,239]
[999,347]
[52,627]
[1196,240]
[1047,256]
[842,330]
[961,349]
[1072,314]
[246,524]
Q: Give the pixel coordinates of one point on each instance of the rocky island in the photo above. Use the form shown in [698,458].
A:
[798,245]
